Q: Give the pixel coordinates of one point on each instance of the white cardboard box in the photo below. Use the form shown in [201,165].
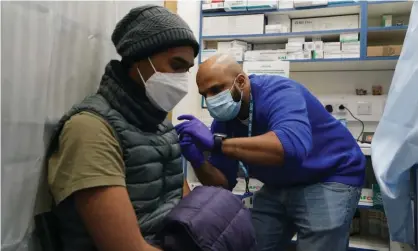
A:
[280,68]
[265,55]
[293,47]
[286,4]
[332,46]
[349,37]
[233,25]
[237,53]
[332,54]
[351,46]
[318,45]
[207,53]
[276,28]
[225,46]
[269,46]
[350,54]
[235,5]
[325,23]
[299,40]
[299,55]
[309,46]
[307,3]
[317,54]
[262,4]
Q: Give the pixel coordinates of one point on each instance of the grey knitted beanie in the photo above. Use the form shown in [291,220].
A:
[150,29]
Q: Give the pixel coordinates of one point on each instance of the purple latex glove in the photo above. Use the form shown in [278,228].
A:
[190,151]
[199,132]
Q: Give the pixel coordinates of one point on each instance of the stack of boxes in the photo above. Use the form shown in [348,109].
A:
[277,24]
[350,45]
[234,48]
[347,47]
[212,5]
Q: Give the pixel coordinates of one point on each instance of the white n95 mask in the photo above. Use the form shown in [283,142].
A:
[165,90]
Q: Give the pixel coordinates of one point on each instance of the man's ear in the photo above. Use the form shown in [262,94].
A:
[241,79]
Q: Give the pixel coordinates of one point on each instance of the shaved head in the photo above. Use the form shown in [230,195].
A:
[221,73]
[217,72]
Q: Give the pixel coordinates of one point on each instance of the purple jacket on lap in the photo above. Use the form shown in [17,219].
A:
[209,219]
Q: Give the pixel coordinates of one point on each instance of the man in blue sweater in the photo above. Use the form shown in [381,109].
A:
[273,127]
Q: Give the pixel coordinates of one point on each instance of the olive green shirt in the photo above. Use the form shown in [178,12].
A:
[88,156]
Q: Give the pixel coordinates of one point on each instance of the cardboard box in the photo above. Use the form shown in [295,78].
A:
[387,20]
[265,55]
[235,5]
[333,54]
[325,23]
[236,53]
[351,46]
[299,55]
[262,4]
[384,51]
[317,54]
[212,5]
[225,46]
[332,46]
[318,45]
[350,54]
[307,3]
[233,25]
[280,68]
[294,47]
[207,53]
[286,4]
[349,37]
[309,46]
[269,46]
[294,40]
[276,28]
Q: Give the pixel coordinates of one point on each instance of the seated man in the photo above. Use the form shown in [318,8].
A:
[114,164]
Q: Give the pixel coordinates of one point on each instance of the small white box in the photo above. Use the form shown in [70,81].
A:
[235,5]
[351,46]
[325,23]
[307,3]
[299,55]
[233,25]
[332,54]
[286,4]
[332,46]
[299,40]
[318,45]
[268,46]
[387,20]
[245,24]
[350,54]
[308,46]
[348,37]
[265,55]
[225,46]
[280,68]
[262,4]
[279,19]
[237,53]
[207,53]
[276,28]
[293,47]
[317,54]
[206,6]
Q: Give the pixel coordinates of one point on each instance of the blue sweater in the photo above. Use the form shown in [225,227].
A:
[317,147]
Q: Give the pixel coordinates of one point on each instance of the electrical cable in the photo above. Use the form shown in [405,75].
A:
[342,107]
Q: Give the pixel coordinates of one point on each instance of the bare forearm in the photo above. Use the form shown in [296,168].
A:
[209,175]
[263,150]
[186,188]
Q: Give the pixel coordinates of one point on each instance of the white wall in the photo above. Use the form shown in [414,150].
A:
[320,83]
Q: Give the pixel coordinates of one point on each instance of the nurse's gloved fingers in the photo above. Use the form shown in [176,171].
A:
[184,127]
[186,117]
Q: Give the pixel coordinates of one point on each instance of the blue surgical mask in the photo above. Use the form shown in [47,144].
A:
[222,106]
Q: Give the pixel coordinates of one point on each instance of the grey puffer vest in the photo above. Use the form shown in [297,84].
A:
[152,156]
